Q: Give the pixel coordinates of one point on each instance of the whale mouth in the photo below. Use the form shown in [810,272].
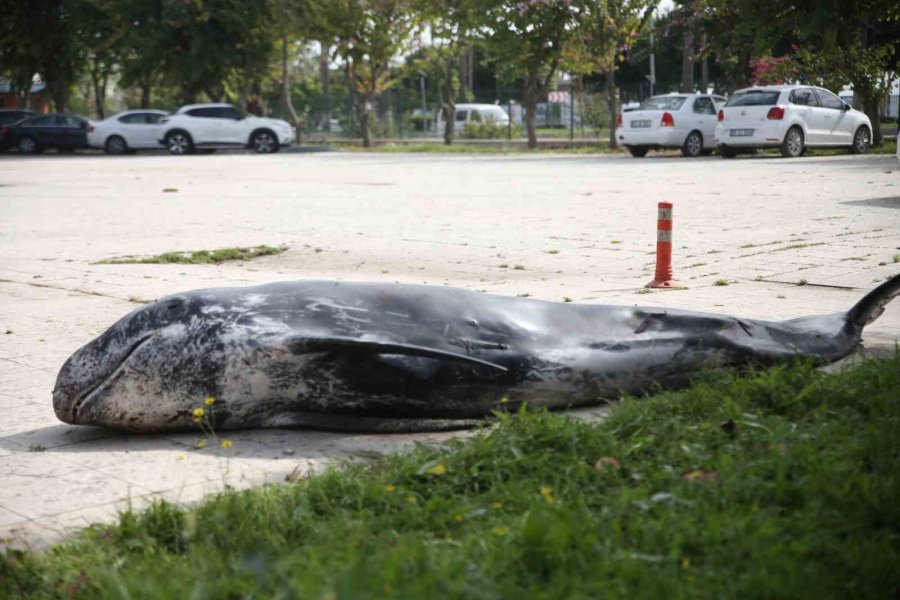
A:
[86,396]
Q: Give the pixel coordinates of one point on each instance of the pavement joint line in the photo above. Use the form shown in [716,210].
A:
[65,289]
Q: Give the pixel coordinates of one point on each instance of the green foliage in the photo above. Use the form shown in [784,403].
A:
[489,130]
[781,484]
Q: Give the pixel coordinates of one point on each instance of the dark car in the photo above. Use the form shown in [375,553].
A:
[35,134]
[8,116]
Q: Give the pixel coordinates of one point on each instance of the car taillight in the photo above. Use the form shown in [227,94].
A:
[91,128]
[4,131]
[667,120]
[776,113]
[619,120]
[721,115]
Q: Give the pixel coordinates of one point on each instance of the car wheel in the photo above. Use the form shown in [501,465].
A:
[178,142]
[861,141]
[726,152]
[115,144]
[638,152]
[27,145]
[792,146]
[693,144]
[264,142]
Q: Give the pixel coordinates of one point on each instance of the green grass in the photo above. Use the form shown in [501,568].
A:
[198,257]
[477,148]
[782,484]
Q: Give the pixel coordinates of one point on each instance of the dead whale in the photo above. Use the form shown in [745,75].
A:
[384,357]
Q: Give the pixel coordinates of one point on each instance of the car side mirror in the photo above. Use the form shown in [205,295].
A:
[846,106]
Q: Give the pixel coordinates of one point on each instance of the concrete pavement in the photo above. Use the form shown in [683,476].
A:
[552,227]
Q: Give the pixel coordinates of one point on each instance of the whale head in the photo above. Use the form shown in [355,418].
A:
[148,371]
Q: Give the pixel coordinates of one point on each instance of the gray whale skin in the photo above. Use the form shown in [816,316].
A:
[389,357]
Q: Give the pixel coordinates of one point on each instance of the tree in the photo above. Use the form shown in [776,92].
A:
[607,30]
[451,24]
[371,34]
[525,39]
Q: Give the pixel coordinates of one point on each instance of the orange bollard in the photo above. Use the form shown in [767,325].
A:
[664,277]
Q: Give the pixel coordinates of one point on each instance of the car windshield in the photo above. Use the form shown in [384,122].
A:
[662,103]
[754,98]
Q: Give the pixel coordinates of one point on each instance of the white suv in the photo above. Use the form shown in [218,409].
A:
[790,117]
[213,126]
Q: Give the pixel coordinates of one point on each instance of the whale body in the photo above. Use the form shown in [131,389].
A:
[391,357]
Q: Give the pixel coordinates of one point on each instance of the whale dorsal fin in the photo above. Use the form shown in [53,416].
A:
[873,304]
[306,345]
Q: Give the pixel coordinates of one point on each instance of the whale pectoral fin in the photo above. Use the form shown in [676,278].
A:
[306,345]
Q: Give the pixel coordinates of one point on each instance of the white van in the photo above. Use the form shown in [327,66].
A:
[474,113]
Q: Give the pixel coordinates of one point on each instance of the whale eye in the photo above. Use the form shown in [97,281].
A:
[173,304]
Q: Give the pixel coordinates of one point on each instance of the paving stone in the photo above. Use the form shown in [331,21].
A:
[438,219]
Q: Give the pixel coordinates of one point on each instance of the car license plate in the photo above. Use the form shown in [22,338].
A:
[741,132]
[640,124]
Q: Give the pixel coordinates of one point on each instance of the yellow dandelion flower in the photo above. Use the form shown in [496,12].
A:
[198,412]
[438,469]
[459,518]
[500,531]
[390,488]
[504,399]
[201,444]
[227,444]
[210,400]
[547,493]
[181,457]
[685,563]
[412,499]
[497,505]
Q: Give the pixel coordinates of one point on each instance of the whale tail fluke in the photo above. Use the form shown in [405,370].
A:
[873,304]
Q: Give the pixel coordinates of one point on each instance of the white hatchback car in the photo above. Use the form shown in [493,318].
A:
[792,118]
[211,126]
[127,131]
[685,121]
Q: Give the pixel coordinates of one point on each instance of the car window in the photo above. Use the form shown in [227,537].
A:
[704,106]
[803,97]
[829,100]
[12,116]
[754,98]
[663,103]
[229,112]
[43,121]
[68,121]
[460,115]
[133,118]
[153,118]
[208,112]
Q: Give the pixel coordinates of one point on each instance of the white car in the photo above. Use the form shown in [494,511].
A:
[792,118]
[474,113]
[127,131]
[211,126]
[685,121]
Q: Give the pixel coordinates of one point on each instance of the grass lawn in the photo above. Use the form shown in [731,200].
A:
[198,257]
[461,147]
[782,484]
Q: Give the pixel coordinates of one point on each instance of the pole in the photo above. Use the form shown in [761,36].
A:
[652,58]
[509,122]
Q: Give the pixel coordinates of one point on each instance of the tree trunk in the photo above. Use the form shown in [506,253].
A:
[704,66]
[448,104]
[286,105]
[612,107]
[99,86]
[687,62]
[872,107]
[529,103]
[362,117]
[146,87]
[325,76]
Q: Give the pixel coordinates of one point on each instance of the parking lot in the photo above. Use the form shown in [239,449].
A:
[765,238]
